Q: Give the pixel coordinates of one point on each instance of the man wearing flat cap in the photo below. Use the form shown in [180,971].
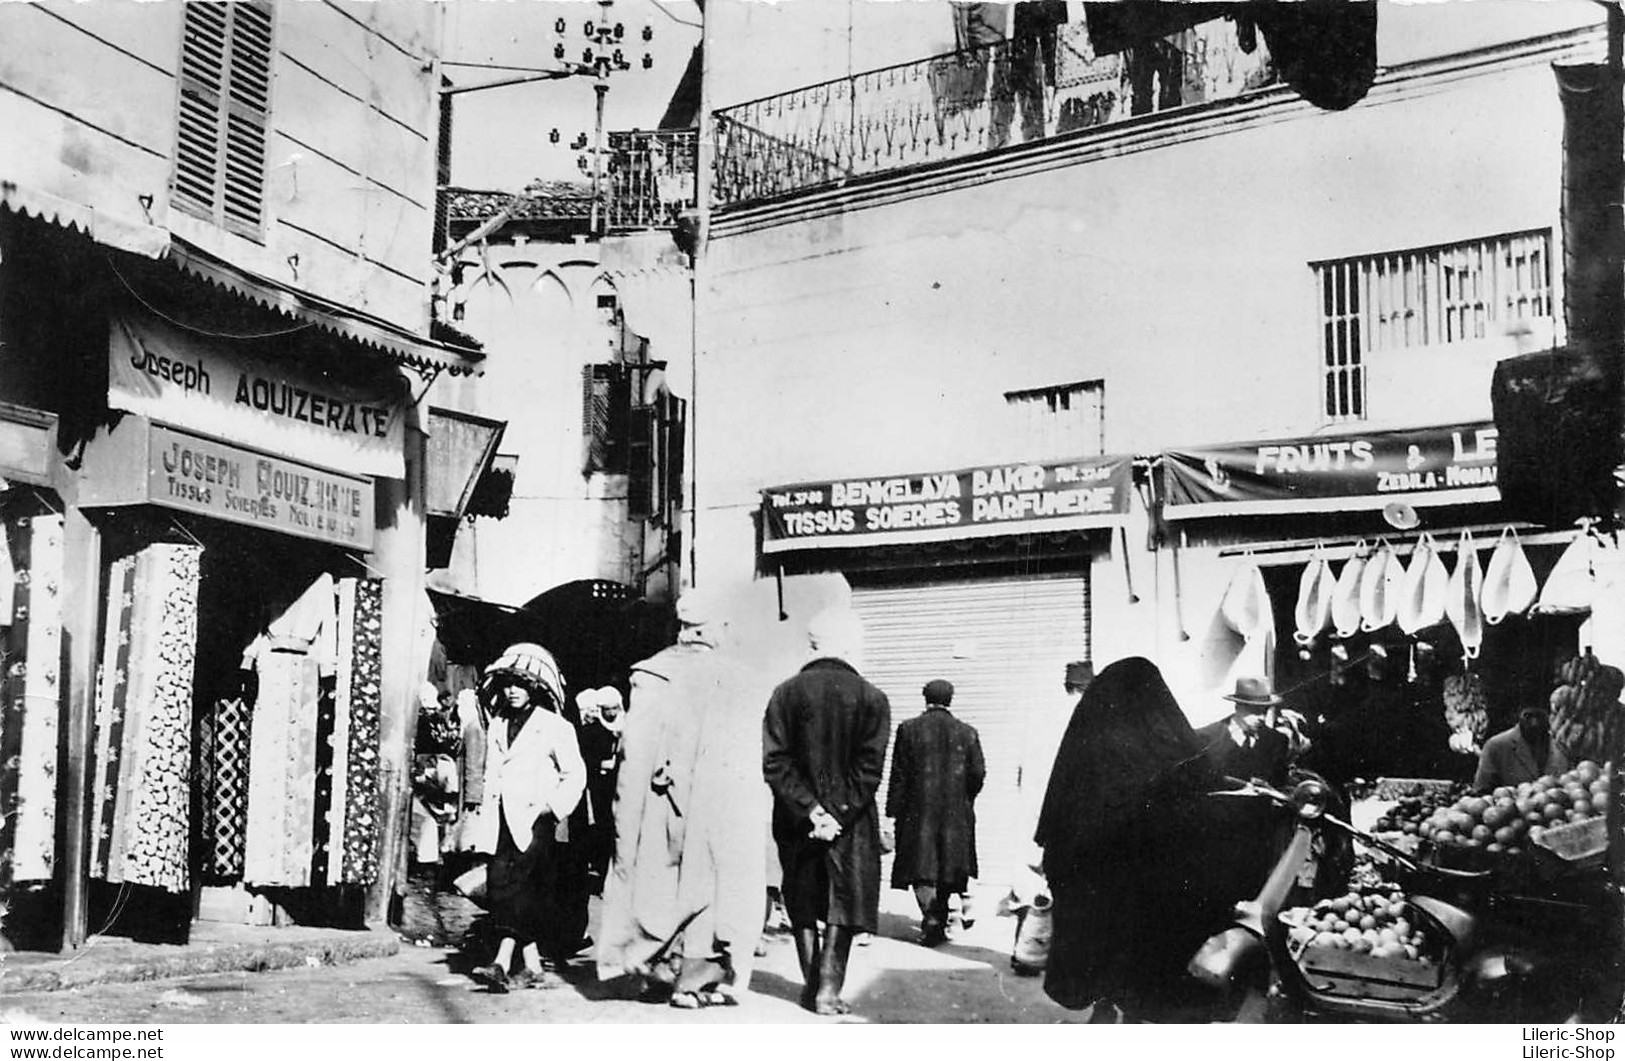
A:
[936,773]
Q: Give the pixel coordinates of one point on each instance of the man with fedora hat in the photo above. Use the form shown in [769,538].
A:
[1248,744]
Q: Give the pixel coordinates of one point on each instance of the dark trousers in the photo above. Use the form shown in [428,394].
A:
[933,900]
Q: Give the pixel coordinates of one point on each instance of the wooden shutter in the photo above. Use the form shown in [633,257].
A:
[641,470]
[594,417]
[225,100]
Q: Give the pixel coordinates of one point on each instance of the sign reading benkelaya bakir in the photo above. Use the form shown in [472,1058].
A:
[972,502]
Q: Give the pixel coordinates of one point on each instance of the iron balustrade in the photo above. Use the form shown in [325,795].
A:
[651,178]
[969,102]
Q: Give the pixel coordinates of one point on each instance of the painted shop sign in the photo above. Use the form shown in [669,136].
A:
[1449,465]
[216,479]
[943,506]
[158,371]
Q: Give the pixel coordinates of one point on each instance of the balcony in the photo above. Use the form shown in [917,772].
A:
[970,102]
[651,178]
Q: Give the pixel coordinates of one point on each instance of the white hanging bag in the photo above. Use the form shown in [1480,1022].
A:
[1509,581]
[1426,585]
[1379,588]
[1462,600]
[1346,597]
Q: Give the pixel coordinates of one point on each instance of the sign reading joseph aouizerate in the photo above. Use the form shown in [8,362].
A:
[158,371]
[941,506]
[1451,465]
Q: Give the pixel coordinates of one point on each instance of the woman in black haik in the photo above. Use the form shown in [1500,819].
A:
[1128,850]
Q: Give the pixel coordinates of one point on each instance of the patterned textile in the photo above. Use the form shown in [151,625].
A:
[282,772]
[225,788]
[143,804]
[338,768]
[13,679]
[33,850]
[112,688]
[361,789]
[322,804]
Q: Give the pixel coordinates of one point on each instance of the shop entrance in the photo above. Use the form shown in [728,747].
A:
[271,668]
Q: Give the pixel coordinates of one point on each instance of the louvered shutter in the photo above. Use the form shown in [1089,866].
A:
[641,470]
[1004,643]
[594,417]
[225,98]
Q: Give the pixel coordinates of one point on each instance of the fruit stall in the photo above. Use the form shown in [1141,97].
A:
[1529,865]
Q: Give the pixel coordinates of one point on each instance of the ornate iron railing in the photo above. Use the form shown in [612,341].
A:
[651,178]
[968,102]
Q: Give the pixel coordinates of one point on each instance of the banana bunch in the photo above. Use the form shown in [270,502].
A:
[1587,719]
[1465,713]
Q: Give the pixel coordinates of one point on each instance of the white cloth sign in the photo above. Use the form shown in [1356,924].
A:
[158,371]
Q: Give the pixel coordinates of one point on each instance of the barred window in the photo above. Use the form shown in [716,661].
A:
[224,113]
[1059,422]
[1424,297]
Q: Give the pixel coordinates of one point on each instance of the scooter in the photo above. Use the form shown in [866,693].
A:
[1496,958]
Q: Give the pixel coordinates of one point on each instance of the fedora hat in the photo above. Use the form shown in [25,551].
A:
[1254,692]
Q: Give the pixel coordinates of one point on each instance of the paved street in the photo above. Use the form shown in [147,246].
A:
[891,980]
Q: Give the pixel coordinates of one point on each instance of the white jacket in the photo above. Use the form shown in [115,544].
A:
[541,773]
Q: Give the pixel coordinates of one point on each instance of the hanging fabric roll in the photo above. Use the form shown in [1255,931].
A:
[226,794]
[1346,599]
[1316,589]
[1509,581]
[143,813]
[289,657]
[112,700]
[361,811]
[13,701]
[332,842]
[1422,596]
[8,581]
[34,843]
[1379,588]
[1462,601]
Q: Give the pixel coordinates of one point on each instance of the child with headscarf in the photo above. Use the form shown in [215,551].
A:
[534,778]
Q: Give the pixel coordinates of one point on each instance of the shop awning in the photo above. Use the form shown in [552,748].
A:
[120,233]
[407,347]
[1451,465]
[987,501]
[461,449]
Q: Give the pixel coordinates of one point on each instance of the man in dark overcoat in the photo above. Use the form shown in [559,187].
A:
[823,749]
[936,773]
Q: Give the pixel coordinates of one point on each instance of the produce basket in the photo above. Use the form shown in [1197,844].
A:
[1393,788]
[1576,846]
[1355,974]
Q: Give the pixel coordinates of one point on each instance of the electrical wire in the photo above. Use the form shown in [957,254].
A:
[155,311]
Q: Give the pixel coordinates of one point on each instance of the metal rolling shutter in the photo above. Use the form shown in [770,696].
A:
[1004,643]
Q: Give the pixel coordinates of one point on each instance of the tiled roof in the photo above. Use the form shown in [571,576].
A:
[540,201]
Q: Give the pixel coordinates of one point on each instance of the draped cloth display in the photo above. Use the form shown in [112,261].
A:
[360,865]
[312,787]
[30,687]
[141,810]
[224,757]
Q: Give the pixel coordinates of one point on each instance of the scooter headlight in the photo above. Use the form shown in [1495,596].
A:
[1311,798]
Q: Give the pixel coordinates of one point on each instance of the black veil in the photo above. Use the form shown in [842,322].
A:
[1127,741]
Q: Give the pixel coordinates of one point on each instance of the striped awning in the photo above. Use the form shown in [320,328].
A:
[407,348]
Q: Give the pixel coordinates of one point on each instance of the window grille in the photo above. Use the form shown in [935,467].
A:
[1060,422]
[224,113]
[1424,297]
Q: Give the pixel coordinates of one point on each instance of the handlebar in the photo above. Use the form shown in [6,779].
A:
[1255,789]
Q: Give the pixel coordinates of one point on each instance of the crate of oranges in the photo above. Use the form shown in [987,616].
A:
[1484,830]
